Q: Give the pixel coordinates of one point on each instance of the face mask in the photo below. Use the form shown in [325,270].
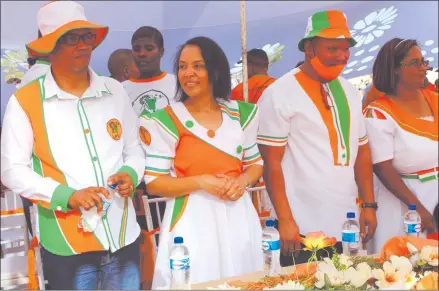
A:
[328,73]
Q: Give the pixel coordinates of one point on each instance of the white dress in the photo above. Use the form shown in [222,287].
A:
[412,145]
[223,237]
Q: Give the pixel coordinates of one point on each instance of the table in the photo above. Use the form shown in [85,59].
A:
[251,277]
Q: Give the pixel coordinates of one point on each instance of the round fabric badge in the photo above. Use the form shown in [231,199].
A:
[145,136]
[114,129]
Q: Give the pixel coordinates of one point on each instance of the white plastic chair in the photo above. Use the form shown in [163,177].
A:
[148,215]
[263,204]
[15,244]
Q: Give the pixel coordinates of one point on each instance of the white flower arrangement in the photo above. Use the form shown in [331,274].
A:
[341,272]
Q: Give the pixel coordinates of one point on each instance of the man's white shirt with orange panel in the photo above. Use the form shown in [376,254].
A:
[321,147]
[54,143]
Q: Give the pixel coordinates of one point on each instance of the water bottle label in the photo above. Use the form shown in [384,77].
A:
[350,237]
[180,264]
[105,205]
[412,227]
[269,245]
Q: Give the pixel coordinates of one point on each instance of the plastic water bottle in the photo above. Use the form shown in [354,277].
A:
[90,219]
[180,265]
[412,222]
[106,203]
[271,247]
[350,236]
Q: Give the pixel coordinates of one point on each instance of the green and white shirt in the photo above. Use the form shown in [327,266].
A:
[54,143]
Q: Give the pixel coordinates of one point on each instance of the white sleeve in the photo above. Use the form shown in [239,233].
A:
[251,150]
[381,133]
[159,146]
[17,142]
[275,116]
[133,154]
[362,132]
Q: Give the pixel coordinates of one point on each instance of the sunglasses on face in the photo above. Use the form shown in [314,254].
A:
[72,39]
[416,64]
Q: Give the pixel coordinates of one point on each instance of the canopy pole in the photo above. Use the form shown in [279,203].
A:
[244,50]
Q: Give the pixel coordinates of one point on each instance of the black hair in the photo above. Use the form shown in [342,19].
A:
[217,66]
[299,64]
[388,59]
[118,60]
[31,61]
[150,32]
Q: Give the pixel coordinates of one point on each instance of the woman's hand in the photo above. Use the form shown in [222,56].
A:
[214,185]
[235,187]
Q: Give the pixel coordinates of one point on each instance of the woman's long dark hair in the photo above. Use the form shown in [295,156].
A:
[217,66]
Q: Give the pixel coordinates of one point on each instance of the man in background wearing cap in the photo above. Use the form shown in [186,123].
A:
[67,136]
[258,79]
[121,65]
[313,140]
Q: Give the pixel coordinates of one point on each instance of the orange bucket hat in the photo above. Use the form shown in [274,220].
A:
[327,24]
[55,19]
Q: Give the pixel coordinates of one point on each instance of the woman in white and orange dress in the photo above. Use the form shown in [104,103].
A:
[202,153]
[402,127]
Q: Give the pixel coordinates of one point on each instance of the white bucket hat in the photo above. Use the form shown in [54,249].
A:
[55,19]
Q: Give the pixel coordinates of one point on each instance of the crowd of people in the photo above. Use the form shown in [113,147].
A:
[69,133]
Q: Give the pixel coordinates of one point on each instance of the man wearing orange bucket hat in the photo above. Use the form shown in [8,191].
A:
[313,140]
[68,137]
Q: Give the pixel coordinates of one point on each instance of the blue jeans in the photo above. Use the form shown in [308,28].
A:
[95,270]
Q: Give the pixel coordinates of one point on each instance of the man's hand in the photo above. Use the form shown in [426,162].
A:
[368,219]
[125,186]
[88,198]
[289,237]
[427,222]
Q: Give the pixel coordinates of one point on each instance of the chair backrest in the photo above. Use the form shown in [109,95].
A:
[261,201]
[148,204]
[14,230]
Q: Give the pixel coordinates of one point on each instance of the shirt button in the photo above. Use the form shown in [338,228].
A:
[239,149]
[95,159]
[58,208]
[86,130]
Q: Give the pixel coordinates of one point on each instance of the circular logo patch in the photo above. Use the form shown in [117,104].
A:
[151,101]
[114,128]
[145,136]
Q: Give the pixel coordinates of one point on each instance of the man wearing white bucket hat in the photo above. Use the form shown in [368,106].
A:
[313,140]
[67,136]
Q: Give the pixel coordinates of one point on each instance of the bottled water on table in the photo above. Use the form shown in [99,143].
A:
[180,265]
[271,247]
[412,222]
[350,236]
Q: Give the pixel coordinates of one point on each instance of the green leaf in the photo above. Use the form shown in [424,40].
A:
[327,281]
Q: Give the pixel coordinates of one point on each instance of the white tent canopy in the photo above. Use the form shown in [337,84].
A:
[275,25]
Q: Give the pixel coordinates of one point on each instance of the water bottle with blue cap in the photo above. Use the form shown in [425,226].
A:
[271,247]
[179,263]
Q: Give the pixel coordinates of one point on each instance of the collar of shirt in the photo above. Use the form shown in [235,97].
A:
[96,89]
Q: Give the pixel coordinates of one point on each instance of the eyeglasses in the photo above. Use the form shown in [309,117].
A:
[72,39]
[416,63]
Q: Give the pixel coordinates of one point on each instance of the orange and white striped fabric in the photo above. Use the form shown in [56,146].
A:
[54,143]
[223,237]
[411,144]
[321,146]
